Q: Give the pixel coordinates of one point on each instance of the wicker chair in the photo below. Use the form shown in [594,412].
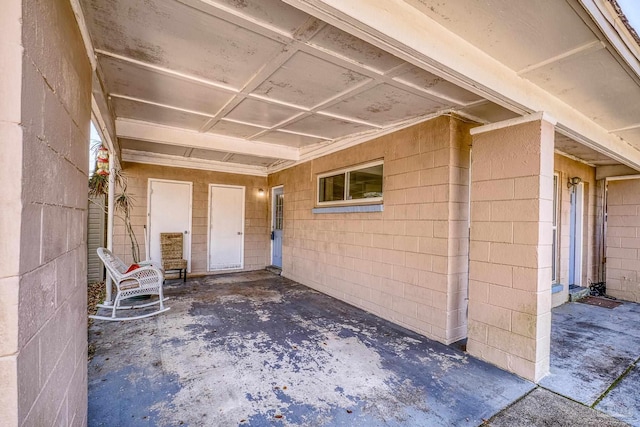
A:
[145,280]
[171,250]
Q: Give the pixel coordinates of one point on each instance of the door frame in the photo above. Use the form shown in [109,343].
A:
[273,217]
[147,239]
[576,230]
[244,191]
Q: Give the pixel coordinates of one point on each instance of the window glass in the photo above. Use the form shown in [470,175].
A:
[365,183]
[331,188]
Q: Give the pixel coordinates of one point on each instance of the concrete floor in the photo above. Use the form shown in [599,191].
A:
[258,349]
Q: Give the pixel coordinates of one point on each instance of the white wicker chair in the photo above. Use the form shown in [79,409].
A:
[146,280]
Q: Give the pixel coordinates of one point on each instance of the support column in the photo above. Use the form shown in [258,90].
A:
[510,244]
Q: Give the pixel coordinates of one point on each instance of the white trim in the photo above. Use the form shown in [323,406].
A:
[345,172]
[244,214]
[539,116]
[146,131]
[273,217]
[191,163]
[148,245]
[576,238]
[622,178]
[556,227]
[84,32]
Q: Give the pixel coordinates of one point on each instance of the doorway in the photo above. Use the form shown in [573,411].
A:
[277,223]
[226,227]
[575,235]
[168,211]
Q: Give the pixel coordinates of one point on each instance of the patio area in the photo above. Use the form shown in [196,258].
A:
[259,349]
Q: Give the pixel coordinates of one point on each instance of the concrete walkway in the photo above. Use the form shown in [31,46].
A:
[258,349]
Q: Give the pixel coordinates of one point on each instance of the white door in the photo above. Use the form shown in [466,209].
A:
[277,222]
[169,211]
[575,236]
[226,227]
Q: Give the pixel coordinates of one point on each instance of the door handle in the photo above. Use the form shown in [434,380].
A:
[239,233]
[186,232]
[273,235]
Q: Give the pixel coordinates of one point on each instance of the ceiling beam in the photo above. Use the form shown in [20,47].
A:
[191,163]
[144,131]
[398,28]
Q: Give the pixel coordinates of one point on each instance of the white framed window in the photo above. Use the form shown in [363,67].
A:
[554,244]
[361,184]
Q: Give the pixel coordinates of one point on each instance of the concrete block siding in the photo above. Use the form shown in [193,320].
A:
[623,239]
[257,228]
[44,126]
[407,264]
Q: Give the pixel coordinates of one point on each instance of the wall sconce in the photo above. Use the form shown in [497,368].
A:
[572,182]
[260,192]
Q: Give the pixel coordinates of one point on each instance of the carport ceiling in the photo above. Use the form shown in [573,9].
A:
[247,85]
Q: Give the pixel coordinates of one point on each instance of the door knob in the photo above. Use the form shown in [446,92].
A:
[239,233]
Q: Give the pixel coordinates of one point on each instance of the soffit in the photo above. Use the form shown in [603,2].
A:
[257,81]
[257,70]
[556,45]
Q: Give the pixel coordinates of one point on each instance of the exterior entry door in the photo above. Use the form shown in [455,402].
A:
[575,237]
[226,227]
[276,226]
[169,211]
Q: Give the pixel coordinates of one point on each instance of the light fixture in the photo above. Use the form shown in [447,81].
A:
[260,192]
[572,182]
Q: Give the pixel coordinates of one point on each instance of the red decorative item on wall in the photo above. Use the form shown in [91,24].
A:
[102,161]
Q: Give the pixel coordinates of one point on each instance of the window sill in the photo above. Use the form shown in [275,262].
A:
[348,209]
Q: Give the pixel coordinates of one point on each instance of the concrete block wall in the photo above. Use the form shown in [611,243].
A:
[623,239]
[407,264]
[44,126]
[257,230]
[510,245]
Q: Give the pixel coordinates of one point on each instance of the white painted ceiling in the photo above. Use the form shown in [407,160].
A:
[259,83]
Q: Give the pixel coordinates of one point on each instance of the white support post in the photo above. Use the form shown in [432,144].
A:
[110,207]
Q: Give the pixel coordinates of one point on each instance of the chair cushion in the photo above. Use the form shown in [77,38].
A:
[129,284]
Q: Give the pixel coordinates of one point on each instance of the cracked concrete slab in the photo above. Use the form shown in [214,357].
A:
[542,408]
[623,401]
[258,349]
[591,347]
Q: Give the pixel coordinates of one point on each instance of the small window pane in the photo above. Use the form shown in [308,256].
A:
[331,188]
[365,183]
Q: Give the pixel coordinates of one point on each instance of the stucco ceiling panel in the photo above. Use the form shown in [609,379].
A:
[632,136]
[152,147]
[326,126]
[128,109]
[424,80]
[250,160]
[289,139]
[176,36]
[238,130]
[132,80]
[384,105]
[354,49]
[516,33]
[569,146]
[208,154]
[488,112]
[596,85]
[307,81]
[261,113]
[274,13]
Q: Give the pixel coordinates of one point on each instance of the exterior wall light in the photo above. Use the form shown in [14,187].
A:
[260,192]
[572,182]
